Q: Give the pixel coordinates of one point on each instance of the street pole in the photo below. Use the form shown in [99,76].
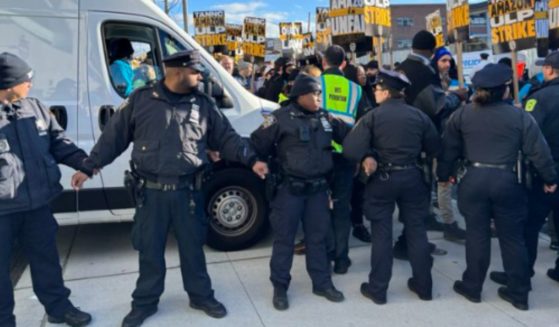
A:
[166,6]
[459,59]
[185,14]
[514,59]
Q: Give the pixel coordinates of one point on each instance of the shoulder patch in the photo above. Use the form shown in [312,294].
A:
[530,105]
[269,120]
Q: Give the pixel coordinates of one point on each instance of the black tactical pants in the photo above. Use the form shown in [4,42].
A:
[287,211]
[540,206]
[406,189]
[183,212]
[36,231]
[341,186]
[486,193]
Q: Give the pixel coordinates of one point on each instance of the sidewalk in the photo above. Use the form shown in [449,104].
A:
[100,268]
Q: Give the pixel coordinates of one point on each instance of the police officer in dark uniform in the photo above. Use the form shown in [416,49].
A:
[299,136]
[388,141]
[171,125]
[488,134]
[32,143]
[543,106]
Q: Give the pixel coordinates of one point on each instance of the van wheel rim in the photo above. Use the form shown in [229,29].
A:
[232,211]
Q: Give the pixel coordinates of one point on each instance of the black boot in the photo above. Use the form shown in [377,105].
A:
[521,303]
[137,316]
[460,289]
[72,317]
[211,307]
[378,299]
[331,294]
[499,277]
[453,233]
[553,274]
[361,233]
[280,300]
[425,296]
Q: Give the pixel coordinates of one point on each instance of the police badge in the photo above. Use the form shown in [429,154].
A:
[41,126]
[4,145]
[269,120]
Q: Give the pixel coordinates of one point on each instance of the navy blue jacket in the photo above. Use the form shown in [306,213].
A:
[32,143]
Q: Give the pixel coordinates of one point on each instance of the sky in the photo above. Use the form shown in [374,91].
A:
[274,11]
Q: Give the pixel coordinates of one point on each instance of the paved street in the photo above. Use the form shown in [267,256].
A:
[100,267]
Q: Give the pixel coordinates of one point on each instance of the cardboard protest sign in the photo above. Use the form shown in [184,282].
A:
[254,38]
[435,26]
[377,17]
[512,20]
[291,36]
[308,45]
[458,20]
[323,35]
[210,30]
[234,38]
[347,24]
[542,27]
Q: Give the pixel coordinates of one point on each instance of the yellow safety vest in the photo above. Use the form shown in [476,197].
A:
[340,97]
[282,97]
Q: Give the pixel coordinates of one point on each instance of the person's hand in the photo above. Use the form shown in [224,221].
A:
[369,166]
[214,155]
[260,168]
[78,179]
[550,188]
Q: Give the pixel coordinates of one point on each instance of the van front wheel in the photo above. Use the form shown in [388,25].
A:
[236,208]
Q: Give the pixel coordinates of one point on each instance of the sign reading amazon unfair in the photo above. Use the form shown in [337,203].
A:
[512,20]
[323,35]
[347,24]
[254,37]
[210,28]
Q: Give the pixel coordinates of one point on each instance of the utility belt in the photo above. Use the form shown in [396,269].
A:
[304,186]
[136,183]
[389,167]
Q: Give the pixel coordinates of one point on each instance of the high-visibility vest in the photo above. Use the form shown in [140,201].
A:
[282,97]
[340,97]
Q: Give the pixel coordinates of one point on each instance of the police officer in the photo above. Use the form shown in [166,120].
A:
[389,140]
[342,99]
[31,145]
[171,125]
[299,136]
[488,134]
[544,108]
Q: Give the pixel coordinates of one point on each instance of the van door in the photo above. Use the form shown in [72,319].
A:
[49,44]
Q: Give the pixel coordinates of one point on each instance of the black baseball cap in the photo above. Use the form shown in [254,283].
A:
[552,60]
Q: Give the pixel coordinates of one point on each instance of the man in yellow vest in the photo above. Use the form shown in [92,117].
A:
[341,97]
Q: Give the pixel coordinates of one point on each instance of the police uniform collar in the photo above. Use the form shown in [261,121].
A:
[333,71]
[299,111]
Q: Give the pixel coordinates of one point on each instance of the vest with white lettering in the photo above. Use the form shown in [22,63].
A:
[340,97]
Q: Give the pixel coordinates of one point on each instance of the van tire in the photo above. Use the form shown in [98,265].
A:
[237,209]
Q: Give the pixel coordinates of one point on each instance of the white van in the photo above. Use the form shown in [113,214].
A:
[68,43]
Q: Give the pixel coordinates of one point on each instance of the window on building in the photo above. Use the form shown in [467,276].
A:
[478,19]
[404,44]
[404,21]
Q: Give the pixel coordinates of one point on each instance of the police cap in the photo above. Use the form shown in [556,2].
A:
[392,79]
[491,76]
[552,60]
[186,58]
[304,84]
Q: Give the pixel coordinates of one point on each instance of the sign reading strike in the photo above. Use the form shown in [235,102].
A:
[435,26]
[458,19]
[291,36]
[254,37]
[512,20]
[377,17]
[323,27]
[553,24]
[347,24]
[234,36]
[210,28]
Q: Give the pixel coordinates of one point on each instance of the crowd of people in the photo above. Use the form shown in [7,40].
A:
[348,142]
